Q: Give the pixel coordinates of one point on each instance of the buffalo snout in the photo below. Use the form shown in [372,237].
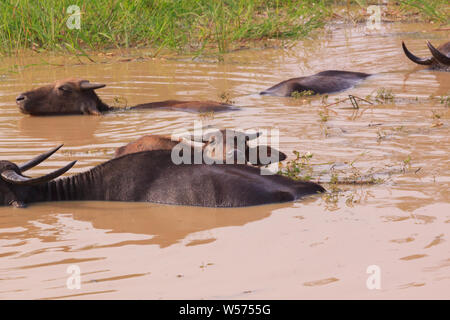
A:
[20,98]
[22,101]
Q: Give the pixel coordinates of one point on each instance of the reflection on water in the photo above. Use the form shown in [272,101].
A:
[320,247]
[165,225]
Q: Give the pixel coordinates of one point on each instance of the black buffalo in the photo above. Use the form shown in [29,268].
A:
[439,59]
[320,83]
[75,96]
[151,176]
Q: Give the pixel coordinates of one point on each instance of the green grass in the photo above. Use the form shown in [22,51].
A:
[186,26]
[428,10]
[434,10]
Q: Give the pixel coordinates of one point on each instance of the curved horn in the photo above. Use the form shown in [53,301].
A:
[439,56]
[35,161]
[416,59]
[13,177]
[86,85]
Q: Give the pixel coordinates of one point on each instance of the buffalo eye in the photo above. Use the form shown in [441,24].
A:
[65,89]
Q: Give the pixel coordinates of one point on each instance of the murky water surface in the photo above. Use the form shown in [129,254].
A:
[317,248]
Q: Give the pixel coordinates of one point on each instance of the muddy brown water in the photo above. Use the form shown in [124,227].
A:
[320,247]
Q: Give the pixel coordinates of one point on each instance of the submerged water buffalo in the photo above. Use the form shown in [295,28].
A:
[150,177]
[231,147]
[439,59]
[323,82]
[76,96]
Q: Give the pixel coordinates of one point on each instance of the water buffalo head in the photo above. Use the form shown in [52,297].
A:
[233,147]
[238,147]
[14,185]
[439,59]
[69,96]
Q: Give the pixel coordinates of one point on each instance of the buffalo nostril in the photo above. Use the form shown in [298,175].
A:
[20,98]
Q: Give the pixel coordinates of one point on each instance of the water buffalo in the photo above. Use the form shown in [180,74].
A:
[323,82]
[151,176]
[439,59]
[76,96]
[212,148]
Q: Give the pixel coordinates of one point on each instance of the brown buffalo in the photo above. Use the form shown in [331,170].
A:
[439,59]
[263,155]
[75,96]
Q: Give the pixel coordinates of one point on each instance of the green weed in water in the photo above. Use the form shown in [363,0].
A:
[225,97]
[302,94]
[384,95]
[323,116]
[445,100]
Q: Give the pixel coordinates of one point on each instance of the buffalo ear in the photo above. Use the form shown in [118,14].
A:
[18,204]
[282,156]
[271,154]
